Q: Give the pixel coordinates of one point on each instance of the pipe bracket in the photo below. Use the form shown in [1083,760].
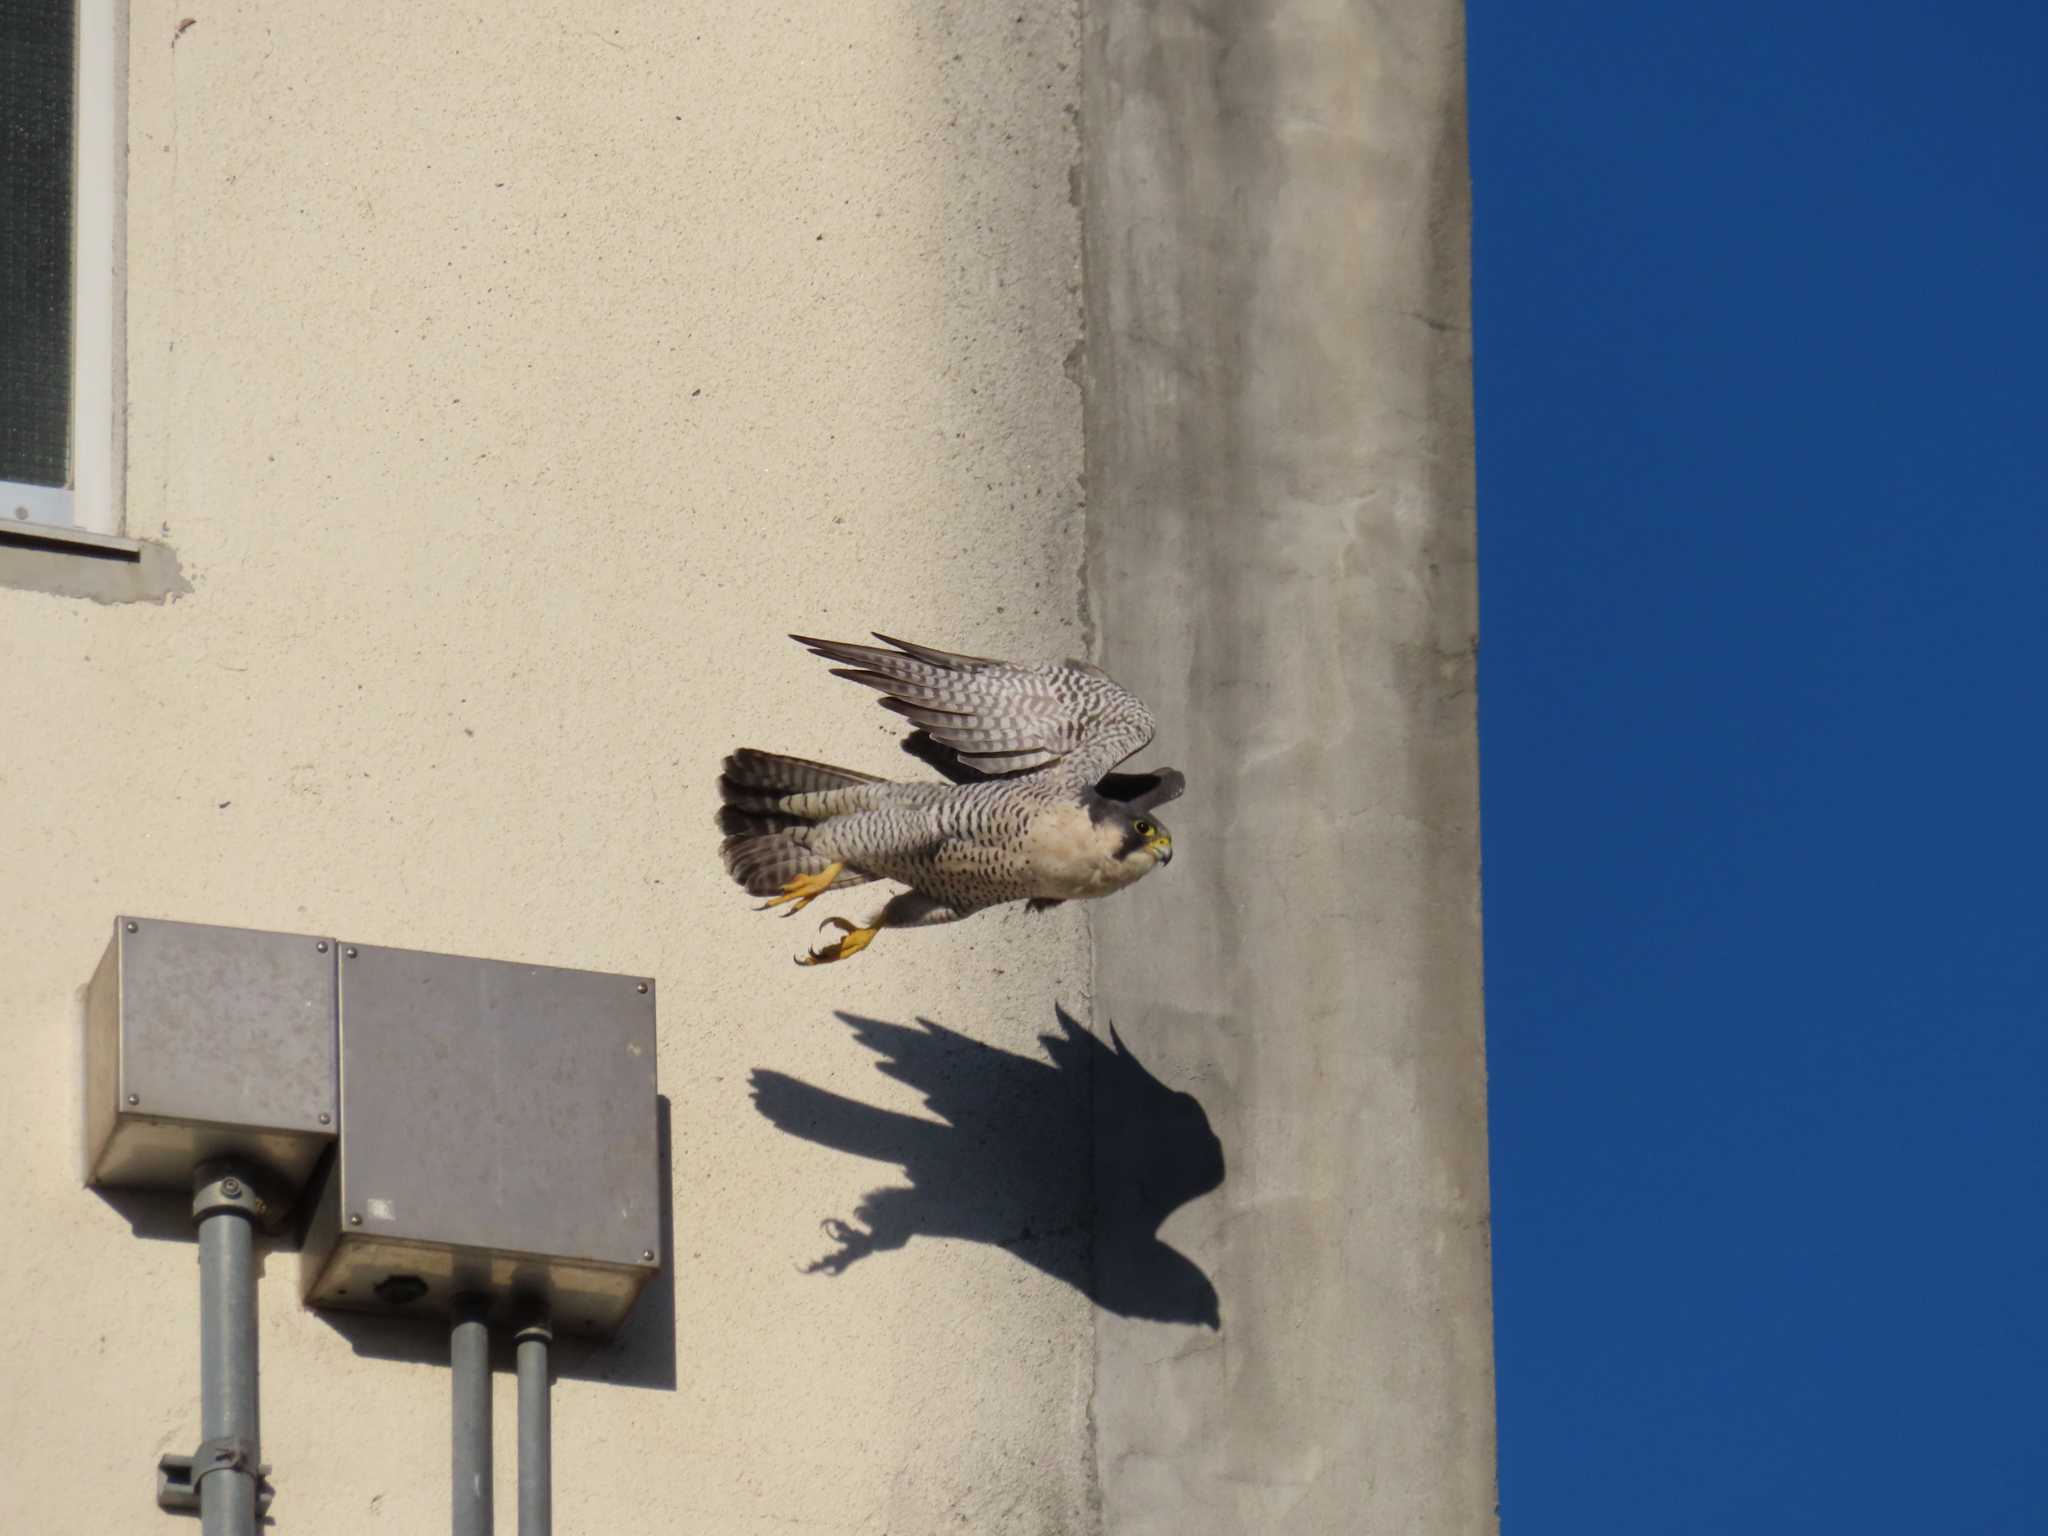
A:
[228,1184]
[178,1477]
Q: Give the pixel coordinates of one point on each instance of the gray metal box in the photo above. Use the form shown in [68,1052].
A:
[206,1042]
[499,1137]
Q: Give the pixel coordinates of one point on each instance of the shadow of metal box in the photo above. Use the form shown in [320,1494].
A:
[500,1140]
[206,1042]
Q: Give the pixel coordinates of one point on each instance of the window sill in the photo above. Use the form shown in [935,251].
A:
[82,540]
[72,562]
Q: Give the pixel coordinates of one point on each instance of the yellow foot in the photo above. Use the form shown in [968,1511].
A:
[856,940]
[804,890]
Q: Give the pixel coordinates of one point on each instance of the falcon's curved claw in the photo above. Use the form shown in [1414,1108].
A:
[856,940]
[804,890]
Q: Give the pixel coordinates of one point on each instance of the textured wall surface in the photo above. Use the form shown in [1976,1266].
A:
[507,381]
[1281,560]
[503,383]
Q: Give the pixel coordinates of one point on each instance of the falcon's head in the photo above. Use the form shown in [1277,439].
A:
[1146,842]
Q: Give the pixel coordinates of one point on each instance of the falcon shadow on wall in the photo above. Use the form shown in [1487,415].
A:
[1071,1162]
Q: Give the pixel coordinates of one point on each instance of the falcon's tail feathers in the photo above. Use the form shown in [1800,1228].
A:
[764,792]
[769,772]
[764,863]
[769,797]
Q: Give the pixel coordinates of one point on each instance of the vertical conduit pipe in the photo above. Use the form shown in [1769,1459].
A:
[469,1356]
[223,1207]
[536,1470]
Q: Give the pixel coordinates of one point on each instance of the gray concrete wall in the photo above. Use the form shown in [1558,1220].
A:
[1281,560]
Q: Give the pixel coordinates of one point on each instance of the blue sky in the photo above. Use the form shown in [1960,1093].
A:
[1761,316]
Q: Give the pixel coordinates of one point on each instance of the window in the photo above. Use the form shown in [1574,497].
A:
[63,145]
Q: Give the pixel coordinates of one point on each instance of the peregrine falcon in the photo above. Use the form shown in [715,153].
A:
[1035,825]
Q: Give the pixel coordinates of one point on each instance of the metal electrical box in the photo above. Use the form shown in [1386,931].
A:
[499,1138]
[205,1042]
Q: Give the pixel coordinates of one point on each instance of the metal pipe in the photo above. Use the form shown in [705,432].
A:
[469,1354]
[227,1356]
[536,1468]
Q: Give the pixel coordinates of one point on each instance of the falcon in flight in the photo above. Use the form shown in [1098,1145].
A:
[1043,819]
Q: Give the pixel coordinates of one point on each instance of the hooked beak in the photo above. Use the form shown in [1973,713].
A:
[1162,846]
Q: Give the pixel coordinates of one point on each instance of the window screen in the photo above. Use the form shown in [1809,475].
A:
[37,42]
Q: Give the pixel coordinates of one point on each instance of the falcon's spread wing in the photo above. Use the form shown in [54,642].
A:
[1001,717]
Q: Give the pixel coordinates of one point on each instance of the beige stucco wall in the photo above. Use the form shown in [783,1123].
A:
[507,380]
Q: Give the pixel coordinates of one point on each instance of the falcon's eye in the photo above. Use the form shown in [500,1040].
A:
[1142,828]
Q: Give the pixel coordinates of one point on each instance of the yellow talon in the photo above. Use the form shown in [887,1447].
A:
[856,940]
[804,890]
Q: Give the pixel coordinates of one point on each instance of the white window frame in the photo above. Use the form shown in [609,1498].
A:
[89,511]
